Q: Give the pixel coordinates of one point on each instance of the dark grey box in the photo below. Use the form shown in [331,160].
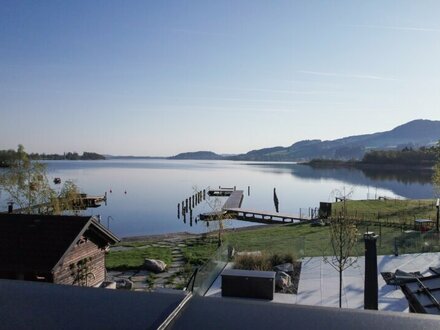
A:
[248,284]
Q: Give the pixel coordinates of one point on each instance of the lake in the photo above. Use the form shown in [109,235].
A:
[144,193]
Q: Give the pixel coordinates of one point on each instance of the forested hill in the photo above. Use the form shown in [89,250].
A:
[198,155]
[414,134]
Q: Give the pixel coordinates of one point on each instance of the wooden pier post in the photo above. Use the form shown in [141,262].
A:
[183,208]
[249,190]
[186,204]
[184,217]
[193,197]
[189,202]
[204,194]
[178,210]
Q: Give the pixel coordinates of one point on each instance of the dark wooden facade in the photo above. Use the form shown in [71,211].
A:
[56,249]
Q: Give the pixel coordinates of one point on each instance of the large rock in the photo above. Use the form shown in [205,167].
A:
[287,268]
[283,281]
[157,266]
[124,283]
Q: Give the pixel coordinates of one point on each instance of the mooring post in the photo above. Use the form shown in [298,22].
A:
[189,202]
[186,203]
[204,194]
[178,210]
[184,217]
[249,190]
[370,284]
[437,205]
[193,200]
[11,207]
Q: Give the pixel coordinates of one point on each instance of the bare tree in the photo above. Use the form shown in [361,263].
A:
[343,238]
[436,176]
[218,216]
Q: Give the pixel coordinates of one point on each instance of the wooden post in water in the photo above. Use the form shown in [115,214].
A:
[186,204]
[184,217]
[204,194]
[249,190]
[189,202]
[193,197]
[183,208]
[178,210]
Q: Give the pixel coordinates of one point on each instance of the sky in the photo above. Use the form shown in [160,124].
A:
[162,77]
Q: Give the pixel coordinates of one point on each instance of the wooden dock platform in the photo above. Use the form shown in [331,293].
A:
[234,201]
[221,192]
[266,216]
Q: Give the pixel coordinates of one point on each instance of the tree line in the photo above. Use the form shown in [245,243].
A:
[9,156]
[407,156]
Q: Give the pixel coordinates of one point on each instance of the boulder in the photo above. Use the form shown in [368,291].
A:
[124,283]
[153,265]
[287,268]
[283,281]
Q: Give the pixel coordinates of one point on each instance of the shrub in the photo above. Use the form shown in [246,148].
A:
[263,261]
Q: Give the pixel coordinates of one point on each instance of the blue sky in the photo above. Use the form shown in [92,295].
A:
[163,77]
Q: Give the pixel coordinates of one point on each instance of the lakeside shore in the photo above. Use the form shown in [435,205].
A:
[185,234]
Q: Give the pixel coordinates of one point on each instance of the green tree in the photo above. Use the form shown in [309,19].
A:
[27,186]
[26,183]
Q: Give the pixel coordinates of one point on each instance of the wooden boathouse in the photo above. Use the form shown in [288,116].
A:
[57,249]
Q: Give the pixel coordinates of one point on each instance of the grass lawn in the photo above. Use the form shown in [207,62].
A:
[400,211]
[134,258]
[200,251]
[306,241]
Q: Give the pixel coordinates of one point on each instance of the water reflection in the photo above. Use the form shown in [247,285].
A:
[408,183]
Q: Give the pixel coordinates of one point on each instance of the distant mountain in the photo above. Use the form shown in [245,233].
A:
[414,134]
[199,155]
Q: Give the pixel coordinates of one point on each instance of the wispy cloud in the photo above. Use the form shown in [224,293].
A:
[343,75]
[396,28]
[278,91]
[197,32]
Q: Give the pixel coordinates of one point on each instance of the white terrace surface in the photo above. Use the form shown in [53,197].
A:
[319,282]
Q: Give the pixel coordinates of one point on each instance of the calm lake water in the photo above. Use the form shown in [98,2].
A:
[145,193]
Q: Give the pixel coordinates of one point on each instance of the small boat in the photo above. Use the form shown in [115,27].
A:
[57,180]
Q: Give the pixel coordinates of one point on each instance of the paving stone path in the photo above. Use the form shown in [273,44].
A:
[143,280]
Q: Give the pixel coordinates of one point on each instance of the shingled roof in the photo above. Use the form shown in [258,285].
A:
[39,242]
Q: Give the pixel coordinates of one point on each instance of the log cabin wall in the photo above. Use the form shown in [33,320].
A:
[84,265]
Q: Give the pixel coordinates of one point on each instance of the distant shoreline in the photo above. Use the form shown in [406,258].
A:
[361,165]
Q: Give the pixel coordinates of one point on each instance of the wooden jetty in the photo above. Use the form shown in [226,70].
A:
[266,216]
[83,201]
[234,201]
[221,192]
